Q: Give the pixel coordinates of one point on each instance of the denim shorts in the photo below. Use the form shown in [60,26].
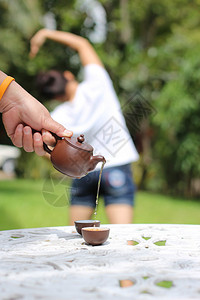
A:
[117,187]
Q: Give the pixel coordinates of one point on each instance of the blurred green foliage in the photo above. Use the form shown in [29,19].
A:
[23,205]
[29,165]
[151,46]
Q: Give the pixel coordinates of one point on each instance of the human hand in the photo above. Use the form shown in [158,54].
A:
[37,41]
[31,141]
[20,113]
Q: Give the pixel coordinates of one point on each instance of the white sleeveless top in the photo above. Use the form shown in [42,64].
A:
[95,112]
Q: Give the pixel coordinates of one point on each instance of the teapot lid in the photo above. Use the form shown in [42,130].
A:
[79,143]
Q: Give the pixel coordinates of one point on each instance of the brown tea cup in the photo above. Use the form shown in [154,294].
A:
[94,235]
[85,223]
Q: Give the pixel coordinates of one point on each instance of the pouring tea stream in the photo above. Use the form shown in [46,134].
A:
[74,158]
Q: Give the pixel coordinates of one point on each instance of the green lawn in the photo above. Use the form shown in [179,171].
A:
[23,205]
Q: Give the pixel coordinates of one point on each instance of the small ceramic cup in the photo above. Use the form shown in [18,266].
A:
[95,235]
[85,223]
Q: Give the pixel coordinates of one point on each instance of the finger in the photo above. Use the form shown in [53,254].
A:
[28,139]
[48,138]
[32,53]
[38,144]
[53,126]
[17,138]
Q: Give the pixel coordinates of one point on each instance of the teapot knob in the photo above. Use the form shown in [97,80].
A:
[81,138]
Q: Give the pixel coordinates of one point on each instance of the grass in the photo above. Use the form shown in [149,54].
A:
[155,208]
[23,205]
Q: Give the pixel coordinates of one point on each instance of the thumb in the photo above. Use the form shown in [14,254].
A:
[56,128]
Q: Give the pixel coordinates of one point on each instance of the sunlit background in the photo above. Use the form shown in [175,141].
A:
[150,48]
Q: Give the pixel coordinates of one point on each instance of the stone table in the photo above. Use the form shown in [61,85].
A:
[138,261]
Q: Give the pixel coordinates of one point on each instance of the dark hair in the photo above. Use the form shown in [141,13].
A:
[51,83]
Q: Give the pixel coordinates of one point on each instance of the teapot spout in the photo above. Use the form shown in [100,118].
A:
[94,160]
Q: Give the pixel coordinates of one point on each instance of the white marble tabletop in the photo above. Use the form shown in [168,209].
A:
[138,261]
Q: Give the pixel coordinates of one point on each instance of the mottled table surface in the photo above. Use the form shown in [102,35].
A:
[138,261]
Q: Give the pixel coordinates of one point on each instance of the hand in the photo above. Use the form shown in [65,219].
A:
[24,137]
[37,41]
[20,113]
[85,50]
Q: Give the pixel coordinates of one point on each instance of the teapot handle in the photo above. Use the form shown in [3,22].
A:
[46,148]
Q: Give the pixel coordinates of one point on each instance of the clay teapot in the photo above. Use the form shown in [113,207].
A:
[73,156]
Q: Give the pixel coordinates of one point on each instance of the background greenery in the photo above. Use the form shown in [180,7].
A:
[23,205]
[152,47]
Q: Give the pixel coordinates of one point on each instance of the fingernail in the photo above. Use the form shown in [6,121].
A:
[37,137]
[20,128]
[27,130]
[67,133]
[44,131]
